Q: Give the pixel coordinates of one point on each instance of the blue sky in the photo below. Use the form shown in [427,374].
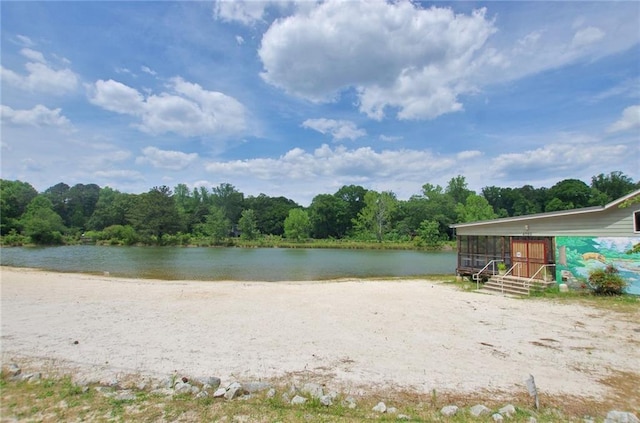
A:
[301,98]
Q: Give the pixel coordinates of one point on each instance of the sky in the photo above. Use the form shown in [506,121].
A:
[297,99]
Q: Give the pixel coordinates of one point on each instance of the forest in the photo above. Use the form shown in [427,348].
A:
[223,216]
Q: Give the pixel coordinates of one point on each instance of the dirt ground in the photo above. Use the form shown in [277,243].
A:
[414,335]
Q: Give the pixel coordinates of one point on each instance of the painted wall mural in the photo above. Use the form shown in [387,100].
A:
[577,256]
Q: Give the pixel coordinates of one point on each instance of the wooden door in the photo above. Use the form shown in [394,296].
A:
[531,256]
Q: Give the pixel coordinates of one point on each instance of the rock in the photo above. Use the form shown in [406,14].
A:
[615,416]
[479,410]
[326,400]
[349,402]
[271,393]
[508,410]
[392,410]
[449,410]
[380,407]
[252,387]
[212,382]
[14,370]
[182,387]
[403,417]
[312,389]
[532,420]
[219,393]
[125,395]
[563,287]
[234,390]
[497,417]
[202,394]
[164,392]
[32,377]
[298,400]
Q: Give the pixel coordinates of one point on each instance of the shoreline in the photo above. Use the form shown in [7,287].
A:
[413,334]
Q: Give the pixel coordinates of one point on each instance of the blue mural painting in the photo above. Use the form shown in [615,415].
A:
[577,256]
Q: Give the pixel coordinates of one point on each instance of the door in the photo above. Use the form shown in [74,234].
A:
[531,256]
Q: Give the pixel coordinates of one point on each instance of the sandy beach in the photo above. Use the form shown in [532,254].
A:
[407,334]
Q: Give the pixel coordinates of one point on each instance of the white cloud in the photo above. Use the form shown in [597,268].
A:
[586,36]
[33,55]
[339,129]
[25,41]
[239,40]
[186,109]
[165,159]
[243,11]
[122,175]
[38,116]
[148,70]
[394,54]
[390,138]
[630,120]
[41,76]
[303,174]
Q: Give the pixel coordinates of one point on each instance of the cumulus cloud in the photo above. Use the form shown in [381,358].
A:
[120,175]
[630,120]
[41,76]
[166,159]
[39,116]
[339,129]
[396,55]
[148,70]
[185,109]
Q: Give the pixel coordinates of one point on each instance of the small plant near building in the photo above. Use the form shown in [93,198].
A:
[607,281]
[502,268]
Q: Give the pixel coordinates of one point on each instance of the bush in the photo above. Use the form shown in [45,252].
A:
[607,281]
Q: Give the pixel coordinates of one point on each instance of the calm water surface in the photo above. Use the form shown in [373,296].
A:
[243,264]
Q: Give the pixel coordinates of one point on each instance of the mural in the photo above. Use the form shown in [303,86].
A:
[577,256]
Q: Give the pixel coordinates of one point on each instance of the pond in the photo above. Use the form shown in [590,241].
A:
[241,264]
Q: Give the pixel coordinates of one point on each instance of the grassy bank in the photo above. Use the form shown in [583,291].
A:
[59,399]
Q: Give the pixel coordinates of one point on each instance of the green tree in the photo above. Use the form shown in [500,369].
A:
[41,223]
[375,217]
[297,225]
[328,216]
[572,193]
[229,200]
[15,196]
[216,226]
[428,235]
[58,194]
[474,209]
[353,198]
[270,212]
[155,214]
[81,203]
[111,209]
[614,185]
[248,225]
[458,190]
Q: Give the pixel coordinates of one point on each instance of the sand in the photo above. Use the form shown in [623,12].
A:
[415,335]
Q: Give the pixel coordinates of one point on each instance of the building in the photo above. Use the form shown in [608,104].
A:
[563,245]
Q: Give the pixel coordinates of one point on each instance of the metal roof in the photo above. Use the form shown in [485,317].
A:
[594,209]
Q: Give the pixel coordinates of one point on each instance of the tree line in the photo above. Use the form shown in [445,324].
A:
[222,215]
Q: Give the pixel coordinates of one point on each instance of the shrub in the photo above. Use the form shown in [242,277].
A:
[607,281]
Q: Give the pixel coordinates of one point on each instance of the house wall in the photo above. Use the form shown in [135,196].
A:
[576,256]
[613,222]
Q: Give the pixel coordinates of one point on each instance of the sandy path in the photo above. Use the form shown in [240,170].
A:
[410,334]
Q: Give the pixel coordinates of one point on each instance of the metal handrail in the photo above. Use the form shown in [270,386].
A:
[516,264]
[528,282]
[476,276]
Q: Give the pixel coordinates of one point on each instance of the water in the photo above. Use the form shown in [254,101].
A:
[241,264]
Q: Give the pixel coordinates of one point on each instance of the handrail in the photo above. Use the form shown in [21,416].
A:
[516,264]
[476,276]
[528,282]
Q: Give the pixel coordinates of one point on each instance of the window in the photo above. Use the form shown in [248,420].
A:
[636,221]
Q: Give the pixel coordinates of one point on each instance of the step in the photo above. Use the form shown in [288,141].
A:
[506,289]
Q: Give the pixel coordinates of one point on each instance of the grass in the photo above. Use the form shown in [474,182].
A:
[59,399]
[625,303]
